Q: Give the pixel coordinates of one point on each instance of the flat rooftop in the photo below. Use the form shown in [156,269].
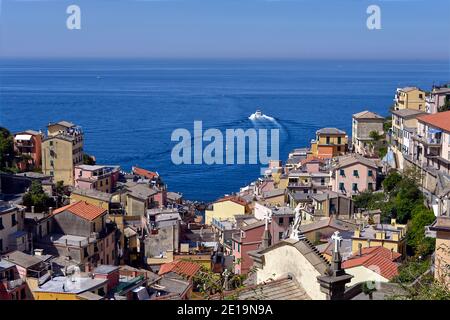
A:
[71,284]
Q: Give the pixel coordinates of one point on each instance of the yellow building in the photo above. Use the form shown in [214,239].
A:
[94,197]
[62,150]
[390,236]
[283,181]
[329,143]
[442,254]
[409,98]
[199,258]
[75,287]
[275,197]
[226,208]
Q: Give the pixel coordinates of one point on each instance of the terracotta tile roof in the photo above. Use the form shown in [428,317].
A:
[181,267]
[439,120]
[235,199]
[377,259]
[82,209]
[145,173]
[312,159]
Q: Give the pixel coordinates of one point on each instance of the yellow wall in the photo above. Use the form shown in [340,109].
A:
[411,100]
[279,200]
[283,183]
[135,207]
[321,142]
[442,259]
[63,159]
[204,260]
[95,202]
[398,246]
[55,296]
[224,210]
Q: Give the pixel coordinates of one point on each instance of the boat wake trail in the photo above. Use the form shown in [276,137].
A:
[263,117]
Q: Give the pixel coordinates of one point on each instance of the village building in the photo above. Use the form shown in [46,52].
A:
[226,208]
[437,98]
[363,123]
[377,264]
[12,228]
[96,177]
[320,231]
[329,143]
[32,270]
[139,198]
[72,288]
[391,236]
[411,98]
[442,252]
[247,239]
[80,233]
[431,143]
[326,204]
[162,240]
[404,124]
[97,198]
[353,174]
[62,150]
[12,286]
[28,146]
[297,259]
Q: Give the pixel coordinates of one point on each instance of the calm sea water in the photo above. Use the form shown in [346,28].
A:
[128,109]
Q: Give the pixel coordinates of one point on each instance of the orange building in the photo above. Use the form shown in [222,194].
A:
[28,145]
[329,143]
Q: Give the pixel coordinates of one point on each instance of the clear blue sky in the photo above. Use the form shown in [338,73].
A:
[411,29]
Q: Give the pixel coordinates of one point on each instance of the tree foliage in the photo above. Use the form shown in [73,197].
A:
[37,197]
[88,160]
[6,150]
[369,200]
[421,217]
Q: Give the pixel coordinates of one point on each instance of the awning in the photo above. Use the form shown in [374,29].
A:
[25,137]
[431,130]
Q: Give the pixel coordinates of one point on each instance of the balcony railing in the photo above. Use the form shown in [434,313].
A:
[12,284]
[428,140]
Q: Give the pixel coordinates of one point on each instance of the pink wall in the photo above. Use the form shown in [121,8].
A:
[161,198]
[108,248]
[113,279]
[250,242]
[312,167]
[363,179]
[267,185]
[275,227]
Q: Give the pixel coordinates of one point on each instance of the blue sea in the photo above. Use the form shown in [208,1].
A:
[129,108]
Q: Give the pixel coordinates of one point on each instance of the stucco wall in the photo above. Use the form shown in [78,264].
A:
[361,274]
[288,260]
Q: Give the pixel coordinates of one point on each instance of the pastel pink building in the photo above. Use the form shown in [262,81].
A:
[248,238]
[354,174]
[96,177]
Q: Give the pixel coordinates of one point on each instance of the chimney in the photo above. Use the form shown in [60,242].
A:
[392,253]
[360,249]
[32,209]
[368,243]
[50,211]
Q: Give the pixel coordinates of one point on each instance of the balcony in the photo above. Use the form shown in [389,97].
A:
[429,140]
[299,184]
[24,144]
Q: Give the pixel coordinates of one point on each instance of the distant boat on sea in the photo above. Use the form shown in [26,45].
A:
[258,115]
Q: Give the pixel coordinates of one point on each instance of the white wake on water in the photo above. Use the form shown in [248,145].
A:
[260,116]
